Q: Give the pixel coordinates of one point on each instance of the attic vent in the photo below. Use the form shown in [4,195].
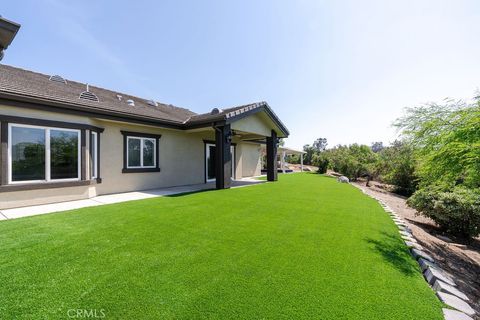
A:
[215,111]
[57,78]
[152,103]
[87,95]
[130,102]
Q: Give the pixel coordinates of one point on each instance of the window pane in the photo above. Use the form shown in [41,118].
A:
[211,163]
[133,152]
[148,153]
[63,154]
[94,155]
[28,154]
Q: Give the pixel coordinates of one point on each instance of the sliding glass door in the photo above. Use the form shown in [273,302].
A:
[210,161]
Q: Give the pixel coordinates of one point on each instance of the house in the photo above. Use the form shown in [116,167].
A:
[64,140]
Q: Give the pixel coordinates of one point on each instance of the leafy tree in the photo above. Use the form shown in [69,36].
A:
[396,165]
[321,161]
[353,161]
[377,146]
[310,151]
[320,144]
[447,141]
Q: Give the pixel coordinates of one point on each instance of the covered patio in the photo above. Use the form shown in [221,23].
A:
[254,124]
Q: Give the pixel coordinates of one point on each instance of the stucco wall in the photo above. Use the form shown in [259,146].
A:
[248,163]
[253,124]
[181,160]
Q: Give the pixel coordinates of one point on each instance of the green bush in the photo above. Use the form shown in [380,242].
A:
[396,166]
[322,162]
[457,210]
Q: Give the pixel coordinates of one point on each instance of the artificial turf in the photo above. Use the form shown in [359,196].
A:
[305,247]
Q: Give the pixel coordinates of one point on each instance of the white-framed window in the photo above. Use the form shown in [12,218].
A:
[42,154]
[141,152]
[94,155]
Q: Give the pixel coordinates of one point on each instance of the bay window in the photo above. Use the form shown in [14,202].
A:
[42,154]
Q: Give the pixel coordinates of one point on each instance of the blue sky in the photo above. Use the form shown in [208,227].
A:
[343,70]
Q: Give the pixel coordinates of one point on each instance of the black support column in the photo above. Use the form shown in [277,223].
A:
[223,157]
[272,157]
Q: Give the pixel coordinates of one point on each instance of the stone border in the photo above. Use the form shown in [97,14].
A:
[440,281]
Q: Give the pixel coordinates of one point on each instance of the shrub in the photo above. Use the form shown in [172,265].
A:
[456,210]
[322,162]
[396,166]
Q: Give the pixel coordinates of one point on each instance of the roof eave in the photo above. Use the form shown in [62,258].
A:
[265,108]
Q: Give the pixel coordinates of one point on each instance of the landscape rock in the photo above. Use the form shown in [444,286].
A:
[450,314]
[434,273]
[445,287]
[343,179]
[417,254]
[409,238]
[413,245]
[424,264]
[404,228]
[399,223]
[456,303]
[406,233]
[444,238]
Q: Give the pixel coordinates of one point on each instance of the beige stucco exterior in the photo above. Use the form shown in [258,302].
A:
[253,124]
[181,159]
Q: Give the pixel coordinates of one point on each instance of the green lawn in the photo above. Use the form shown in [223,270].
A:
[305,247]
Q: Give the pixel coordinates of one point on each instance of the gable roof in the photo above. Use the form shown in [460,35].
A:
[232,114]
[27,86]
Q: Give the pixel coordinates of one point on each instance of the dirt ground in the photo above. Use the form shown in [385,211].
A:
[460,259]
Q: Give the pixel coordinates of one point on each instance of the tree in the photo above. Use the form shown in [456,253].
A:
[446,138]
[321,161]
[353,161]
[397,166]
[446,141]
[308,156]
[377,146]
[320,144]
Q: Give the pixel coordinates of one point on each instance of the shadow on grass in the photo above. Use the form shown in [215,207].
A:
[176,195]
[394,251]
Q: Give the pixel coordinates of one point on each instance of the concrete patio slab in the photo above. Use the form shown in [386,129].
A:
[456,303]
[450,314]
[115,198]
[48,208]
[445,287]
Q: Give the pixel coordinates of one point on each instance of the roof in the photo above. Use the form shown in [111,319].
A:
[290,150]
[235,113]
[37,85]
[24,85]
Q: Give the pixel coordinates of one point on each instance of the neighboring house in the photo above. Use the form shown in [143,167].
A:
[63,140]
